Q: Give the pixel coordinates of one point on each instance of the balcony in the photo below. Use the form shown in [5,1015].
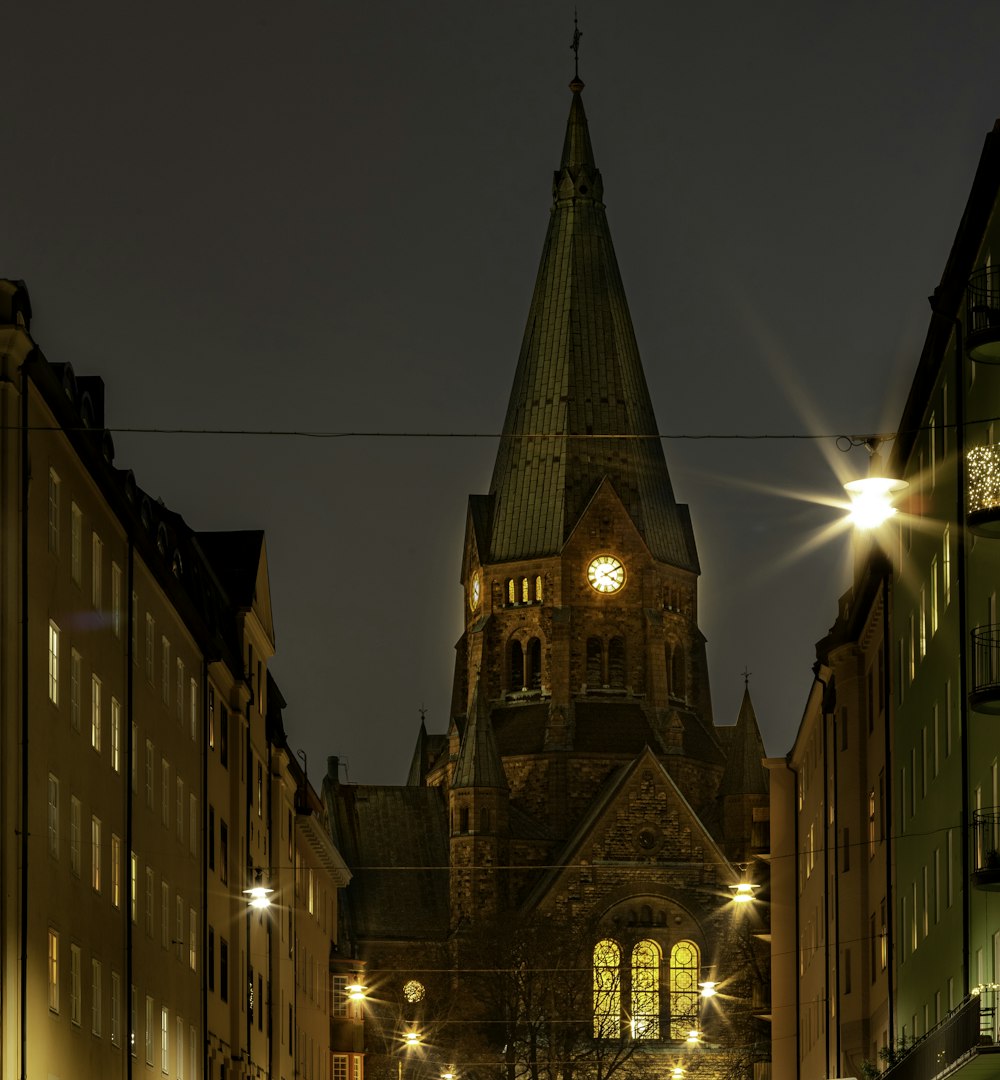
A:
[986,848]
[984,695]
[983,463]
[963,1045]
[983,304]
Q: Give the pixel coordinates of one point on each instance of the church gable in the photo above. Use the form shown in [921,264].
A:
[642,837]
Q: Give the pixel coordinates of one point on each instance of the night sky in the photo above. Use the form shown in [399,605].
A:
[314,217]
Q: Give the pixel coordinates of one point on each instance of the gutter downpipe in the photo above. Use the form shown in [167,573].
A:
[825,811]
[25,477]
[887,827]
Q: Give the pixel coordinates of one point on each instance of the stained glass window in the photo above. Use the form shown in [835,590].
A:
[607,990]
[646,990]
[685,964]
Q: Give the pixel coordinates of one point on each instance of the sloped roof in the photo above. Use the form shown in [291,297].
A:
[744,773]
[478,763]
[395,841]
[579,375]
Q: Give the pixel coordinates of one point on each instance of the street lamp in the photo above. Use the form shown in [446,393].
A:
[258,895]
[872,496]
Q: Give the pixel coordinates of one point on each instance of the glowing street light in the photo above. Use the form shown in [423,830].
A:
[871,500]
[356,991]
[708,988]
[693,1037]
[411,1038]
[677,1072]
[259,895]
[743,893]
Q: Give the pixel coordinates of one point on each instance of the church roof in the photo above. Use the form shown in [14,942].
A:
[579,375]
[478,764]
[744,773]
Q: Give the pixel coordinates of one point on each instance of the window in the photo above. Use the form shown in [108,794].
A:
[54,486]
[339,984]
[211,837]
[96,561]
[180,809]
[116,735]
[95,713]
[54,970]
[75,687]
[607,990]
[192,939]
[149,774]
[116,871]
[193,710]
[116,1009]
[179,693]
[75,990]
[947,718]
[133,1021]
[260,789]
[923,623]
[164,1039]
[883,938]
[646,990]
[53,820]
[224,737]
[179,926]
[934,596]
[150,892]
[211,958]
[937,885]
[134,886]
[946,566]
[165,788]
[75,826]
[165,670]
[193,824]
[223,969]
[53,663]
[116,599]
[223,852]
[149,1030]
[164,914]
[134,634]
[76,543]
[179,1051]
[871,824]
[95,853]
[96,978]
[150,637]
[211,717]
[685,965]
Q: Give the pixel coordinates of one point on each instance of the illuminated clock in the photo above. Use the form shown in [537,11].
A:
[606,574]
[475,591]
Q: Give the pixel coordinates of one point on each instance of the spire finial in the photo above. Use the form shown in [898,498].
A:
[746,677]
[577,84]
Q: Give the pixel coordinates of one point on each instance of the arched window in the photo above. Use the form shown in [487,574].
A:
[516,666]
[538,589]
[646,990]
[685,965]
[595,662]
[607,990]
[678,674]
[511,591]
[534,665]
[525,596]
[616,663]
[484,819]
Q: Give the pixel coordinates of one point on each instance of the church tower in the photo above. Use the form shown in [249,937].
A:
[580,569]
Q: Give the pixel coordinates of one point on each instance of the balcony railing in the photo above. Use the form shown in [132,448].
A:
[984,695]
[965,1033]
[984,489]
[986,848]
[983,304]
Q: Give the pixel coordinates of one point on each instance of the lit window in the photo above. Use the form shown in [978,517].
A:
[871,824]
[164,1039]
[54,486]
[538,589]
[525,595]
[54,970]
[946,566]
[192,939]
[75,825]
[685,964]
[511,591]
[96,563]
[923,623]
[116,734]
[934,596]
[116,1009]
[95,713]
[134,885]
[646,990]
[95,853]
[53,816]
[116,871]
[607,990]
[53,663]
[76,543]
[179,1051]
[149,1030]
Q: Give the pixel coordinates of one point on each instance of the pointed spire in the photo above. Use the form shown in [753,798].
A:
[479,764]
[744,773]
[579,377]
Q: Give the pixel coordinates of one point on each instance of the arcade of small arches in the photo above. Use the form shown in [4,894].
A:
[636,988]
[525,590]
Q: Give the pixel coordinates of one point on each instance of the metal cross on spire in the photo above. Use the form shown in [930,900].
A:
[577,34]
[746,677]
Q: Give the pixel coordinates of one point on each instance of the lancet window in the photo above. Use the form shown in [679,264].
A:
[685,964]
[607,990]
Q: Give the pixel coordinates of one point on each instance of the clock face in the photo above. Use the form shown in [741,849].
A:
[475,592]
[606,574]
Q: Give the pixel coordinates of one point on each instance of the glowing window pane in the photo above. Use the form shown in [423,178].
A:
[607,990]
[511,595]
[646,990]
[685,963]
[538,588]
[524,591]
